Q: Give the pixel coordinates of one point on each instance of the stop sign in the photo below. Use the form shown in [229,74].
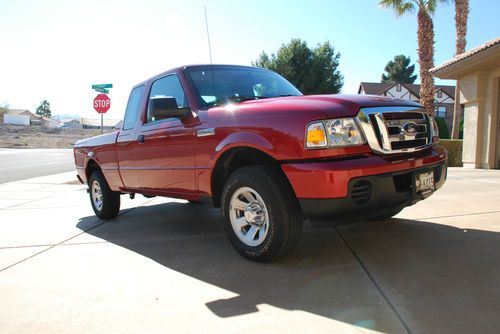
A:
[102,103]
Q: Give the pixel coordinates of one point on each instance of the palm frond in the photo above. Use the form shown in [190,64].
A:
[432,4]
[400,7]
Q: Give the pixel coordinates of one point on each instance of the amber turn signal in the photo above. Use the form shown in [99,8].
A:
[316,136]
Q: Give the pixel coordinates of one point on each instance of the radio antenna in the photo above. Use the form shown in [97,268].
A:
[208,37]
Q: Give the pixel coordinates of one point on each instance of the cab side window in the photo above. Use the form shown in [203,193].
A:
[132,111]
[168,86]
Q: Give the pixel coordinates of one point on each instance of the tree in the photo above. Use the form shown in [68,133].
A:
[461,18]
[425,36]
[399,71]
[312,71]
[44,109]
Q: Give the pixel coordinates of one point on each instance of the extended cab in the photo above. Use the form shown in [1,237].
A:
[246,140]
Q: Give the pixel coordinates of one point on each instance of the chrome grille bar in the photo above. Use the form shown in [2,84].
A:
[390,130]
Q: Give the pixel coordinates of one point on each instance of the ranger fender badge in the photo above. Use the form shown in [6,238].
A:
[205,132]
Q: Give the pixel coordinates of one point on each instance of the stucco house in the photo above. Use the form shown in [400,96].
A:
[444,97]
[477,72]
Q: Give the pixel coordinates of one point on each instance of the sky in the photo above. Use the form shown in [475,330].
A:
[56,49]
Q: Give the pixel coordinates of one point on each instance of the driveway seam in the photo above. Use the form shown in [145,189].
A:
[77,235]
[374,282]
[66,240]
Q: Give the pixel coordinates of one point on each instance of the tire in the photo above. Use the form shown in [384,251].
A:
[105,202]
[262,217]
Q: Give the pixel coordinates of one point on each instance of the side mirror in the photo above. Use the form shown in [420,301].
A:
[166,107]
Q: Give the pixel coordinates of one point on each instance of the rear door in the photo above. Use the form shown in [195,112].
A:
[166,152]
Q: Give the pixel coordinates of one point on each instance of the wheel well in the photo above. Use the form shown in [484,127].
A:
[234,159]
[91,167]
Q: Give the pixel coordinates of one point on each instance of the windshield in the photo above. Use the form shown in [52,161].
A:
[218,85]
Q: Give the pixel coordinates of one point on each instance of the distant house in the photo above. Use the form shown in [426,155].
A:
[89,123]
[444,96]
[49,122]
[21,117]
[70,123]
[22,112]
[16,119]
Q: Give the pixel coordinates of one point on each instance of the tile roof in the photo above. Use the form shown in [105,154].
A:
[467,54]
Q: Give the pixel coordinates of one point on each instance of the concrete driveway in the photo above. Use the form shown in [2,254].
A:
[165,266]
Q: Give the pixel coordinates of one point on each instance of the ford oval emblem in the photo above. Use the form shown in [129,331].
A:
[410,129]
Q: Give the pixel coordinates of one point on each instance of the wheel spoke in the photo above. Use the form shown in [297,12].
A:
[240,222]
[252,232]
[248,196]
[239,205]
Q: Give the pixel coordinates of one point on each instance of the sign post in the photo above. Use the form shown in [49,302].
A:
[102,102]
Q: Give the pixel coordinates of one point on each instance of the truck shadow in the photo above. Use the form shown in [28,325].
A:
[433,274]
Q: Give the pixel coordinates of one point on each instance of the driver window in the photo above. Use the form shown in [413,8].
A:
[168,86]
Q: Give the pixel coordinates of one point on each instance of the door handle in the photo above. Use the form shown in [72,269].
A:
[140,139]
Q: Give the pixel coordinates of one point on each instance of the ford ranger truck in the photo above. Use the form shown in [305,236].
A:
[246,140]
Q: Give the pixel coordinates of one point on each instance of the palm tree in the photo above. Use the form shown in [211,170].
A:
[425,36]
[461,18]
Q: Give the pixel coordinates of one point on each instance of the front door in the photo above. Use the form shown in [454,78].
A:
[165,152]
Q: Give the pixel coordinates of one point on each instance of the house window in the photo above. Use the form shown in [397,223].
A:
[398,88]
[441,112]
[439,94]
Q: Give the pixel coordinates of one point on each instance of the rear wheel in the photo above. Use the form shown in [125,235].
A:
[263,220]
[105,202]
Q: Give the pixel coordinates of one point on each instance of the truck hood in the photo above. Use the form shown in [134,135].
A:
[331,106]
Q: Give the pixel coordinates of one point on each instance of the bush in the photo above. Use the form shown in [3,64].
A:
[444,132]
[454,148]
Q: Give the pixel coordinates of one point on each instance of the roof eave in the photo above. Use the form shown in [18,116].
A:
[456,67]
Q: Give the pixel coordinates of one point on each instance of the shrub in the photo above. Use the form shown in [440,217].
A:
[454,148]
[444,132]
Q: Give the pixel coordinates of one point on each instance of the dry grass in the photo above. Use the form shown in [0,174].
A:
[12,136]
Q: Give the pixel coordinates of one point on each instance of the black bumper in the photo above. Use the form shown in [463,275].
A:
[373,196]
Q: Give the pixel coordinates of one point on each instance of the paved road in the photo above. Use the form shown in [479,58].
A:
[20,164]
[165,266]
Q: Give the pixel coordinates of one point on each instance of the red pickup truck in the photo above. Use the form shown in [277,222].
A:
[246,140]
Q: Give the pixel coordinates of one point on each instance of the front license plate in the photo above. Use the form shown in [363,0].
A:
[424,183]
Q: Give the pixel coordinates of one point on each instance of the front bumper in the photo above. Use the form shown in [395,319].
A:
[332,189]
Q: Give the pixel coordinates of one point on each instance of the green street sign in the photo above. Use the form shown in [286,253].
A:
[102,90]
[102,86]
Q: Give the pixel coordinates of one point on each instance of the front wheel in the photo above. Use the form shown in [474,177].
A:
[105,202]
[263,220]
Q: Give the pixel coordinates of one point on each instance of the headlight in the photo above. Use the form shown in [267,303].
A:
[334,133]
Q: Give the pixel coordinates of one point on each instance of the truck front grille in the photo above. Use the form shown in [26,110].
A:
[396,129]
